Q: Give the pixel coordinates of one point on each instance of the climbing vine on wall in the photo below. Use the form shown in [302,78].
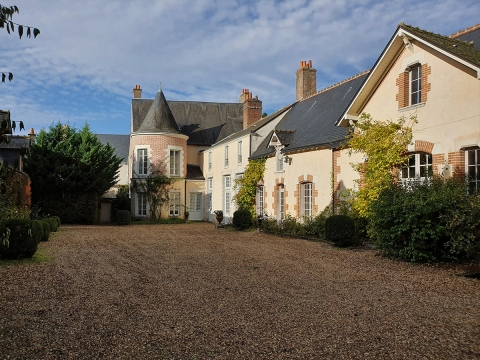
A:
[246,186]
[384,146]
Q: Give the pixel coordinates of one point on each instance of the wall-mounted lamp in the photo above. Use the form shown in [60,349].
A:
[288,160]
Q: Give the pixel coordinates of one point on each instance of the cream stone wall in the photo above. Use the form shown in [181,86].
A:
[450,117]
[193,154]
[218,171]
[311,166]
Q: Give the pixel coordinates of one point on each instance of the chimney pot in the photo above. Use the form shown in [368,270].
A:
[309,63]
[137,92]
[32,132]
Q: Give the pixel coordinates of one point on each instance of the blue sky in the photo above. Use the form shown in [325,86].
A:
[91,53]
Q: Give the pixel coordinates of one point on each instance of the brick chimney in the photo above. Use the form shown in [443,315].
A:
[137,92]
[306,80]
[252,108]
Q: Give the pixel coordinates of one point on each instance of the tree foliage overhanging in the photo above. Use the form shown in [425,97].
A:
[247,185]
[70,170]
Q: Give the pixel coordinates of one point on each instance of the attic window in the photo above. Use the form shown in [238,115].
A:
[274,139]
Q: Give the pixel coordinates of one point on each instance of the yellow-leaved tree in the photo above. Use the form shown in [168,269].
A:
[384,147]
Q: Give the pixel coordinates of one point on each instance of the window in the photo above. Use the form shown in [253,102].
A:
[239,152]
[279,160]
[306,199]
[417,166]
[473,169]
[142,160]
[210,160]
[416,85]
[281,203]
[260,200]
[226,156]
[174,203]
[175,162]
[227,193]
[141,204]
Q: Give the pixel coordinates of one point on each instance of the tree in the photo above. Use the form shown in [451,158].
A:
[155,187]
[6,20]
[70,170]
[384,146]
[246,186]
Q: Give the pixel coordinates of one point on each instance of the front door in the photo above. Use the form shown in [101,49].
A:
[196,209]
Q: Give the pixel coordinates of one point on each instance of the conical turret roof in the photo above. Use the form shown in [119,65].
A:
[159,118]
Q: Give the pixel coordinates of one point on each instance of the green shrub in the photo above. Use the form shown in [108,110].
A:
[46,229]
[242,219]
[58,220]
[122,217]
[37,230]
[52,223]
[340,229]
[315,227]
[21,242]
[436,220]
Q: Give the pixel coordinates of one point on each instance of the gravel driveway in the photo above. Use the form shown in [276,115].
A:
[193,292]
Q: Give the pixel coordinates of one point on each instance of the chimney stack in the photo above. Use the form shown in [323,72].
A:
[137,92]
[306,80]
[252,108]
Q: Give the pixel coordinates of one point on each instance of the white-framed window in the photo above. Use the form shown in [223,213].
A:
[281,203]
[142,161]
[175,162]
[260,200]
[226,156]
[239,152]
[417,167]
[279,160]
[306,199]
[416,84]
[209,160]
[472,160]
[174,203]
[141,204]
[227,194]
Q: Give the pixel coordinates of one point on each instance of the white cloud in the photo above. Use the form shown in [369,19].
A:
[90,54]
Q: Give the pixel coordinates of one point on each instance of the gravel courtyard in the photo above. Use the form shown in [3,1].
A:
[195,292]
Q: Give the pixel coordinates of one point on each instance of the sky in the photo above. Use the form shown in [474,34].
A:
[90,54]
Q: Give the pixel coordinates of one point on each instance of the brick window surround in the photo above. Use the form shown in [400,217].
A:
[297,194]
[278,183]
[403,83]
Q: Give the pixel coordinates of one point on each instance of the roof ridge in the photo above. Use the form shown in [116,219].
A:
[448,37]
[338,84]
[465,31]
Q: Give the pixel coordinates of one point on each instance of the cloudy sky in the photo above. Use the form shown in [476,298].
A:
[90,53]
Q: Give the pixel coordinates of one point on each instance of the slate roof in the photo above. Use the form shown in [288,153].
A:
[159,117]
[468,35]
[121,144]
[194,172]
[204,123]
[311,122]
[259,124]
[454,46]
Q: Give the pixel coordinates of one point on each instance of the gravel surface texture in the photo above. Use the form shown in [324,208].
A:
[195,292]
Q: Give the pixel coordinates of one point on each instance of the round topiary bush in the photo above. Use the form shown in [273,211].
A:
[46,229]
[37,230]
[21,242]
[122,217]
[340,229]
[52,223]
[58,220]
[242,219]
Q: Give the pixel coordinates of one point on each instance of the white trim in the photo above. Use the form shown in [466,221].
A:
[181,136]
[411,107]
[135,160]
[181,150]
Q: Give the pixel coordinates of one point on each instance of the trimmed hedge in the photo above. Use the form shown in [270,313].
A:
[52,223]
[21,242]
[46,229]
[37,230]
[340,229]
[122,217]
[58,220]
[242,219]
